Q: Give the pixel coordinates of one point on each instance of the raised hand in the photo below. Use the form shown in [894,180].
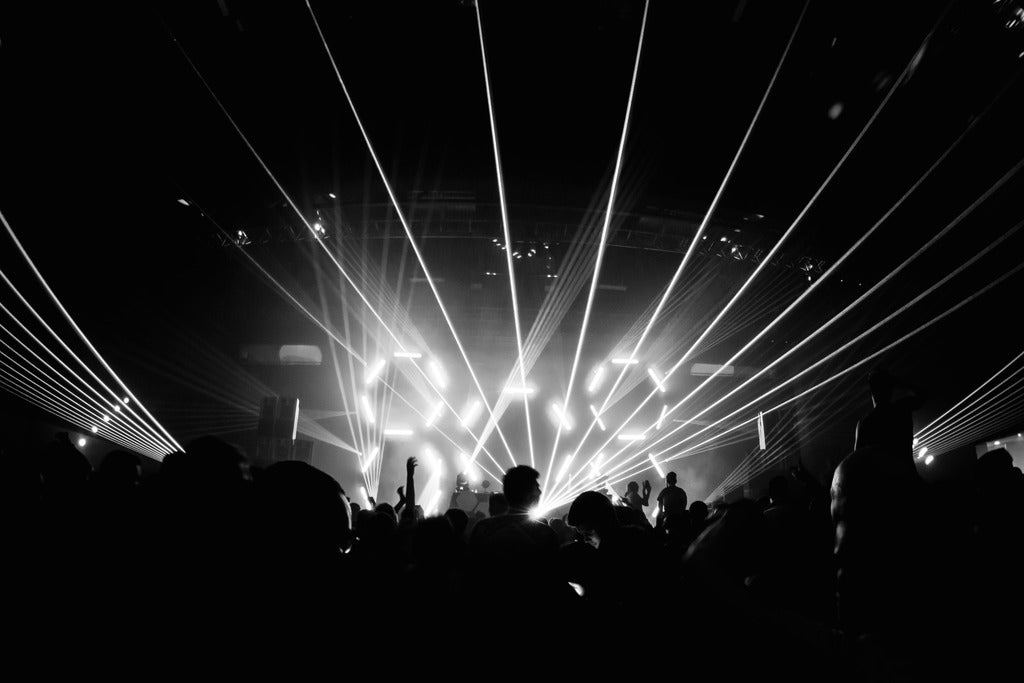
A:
[410,465]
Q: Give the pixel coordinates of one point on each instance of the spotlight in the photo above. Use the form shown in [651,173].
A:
[835,110]
[125,400]
[470,413]
[661,418]
[998,443]
[408,354]
[597,417]
[369,460]
[81,442]
[95,429]
[916,441]
[319,229]
[106,418]
[922,452]
[117,409]
[929,460]
[242,239]
[332,195]
[373,372]
[596,380]
[536,513]
[184,202]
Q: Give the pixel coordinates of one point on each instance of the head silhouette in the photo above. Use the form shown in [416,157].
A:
[670,478]
[592,512]
[497,505]
[521,487]
[633,487]
[698,511]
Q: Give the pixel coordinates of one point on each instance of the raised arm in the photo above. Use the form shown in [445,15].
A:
[646,501]
[410,484]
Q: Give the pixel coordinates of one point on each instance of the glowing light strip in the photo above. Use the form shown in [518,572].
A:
[661,418]
[507,233]
[624,361]
[408,354]
[658,381]
[564,468]
[657,466]
[470,414]
[174,445]
[603,243]
[597,417]
[367,409]
[598,378]
[631,437]
[520,391]
[398,431]
[984,426]
[373,372]
[408,231]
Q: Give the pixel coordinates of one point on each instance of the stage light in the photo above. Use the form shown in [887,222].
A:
[373,372]
[560,416]
[125,400]
[577,587]
[434,414]
[661,418]
[916,440]
[408,354]
[81,442]
[184,202]
[367,409]
[597,417]
[929,460]
[631,437]
[117,409]
[319,229]
[398,432]
[997,443]
[835,110]
[657,465]
[242,239]
[596,380]
[658,381]
[471,413]
[536,513]
[922,452]
[625,361]
[332,195]
[369,460]
[95,429]
[563,469]
[106,418]
[437,374]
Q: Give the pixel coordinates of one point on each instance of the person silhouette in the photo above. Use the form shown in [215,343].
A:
[672,498]
[890,424]
[634,499]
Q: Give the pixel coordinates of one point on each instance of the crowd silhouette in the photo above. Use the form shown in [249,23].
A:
[876,577]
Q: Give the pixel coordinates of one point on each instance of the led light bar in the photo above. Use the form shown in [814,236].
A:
[373,372]
[596,380]
[657,465]
[367,409]
[624,361]
[408,354]
[370,458]
[398,431]
[631,437]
